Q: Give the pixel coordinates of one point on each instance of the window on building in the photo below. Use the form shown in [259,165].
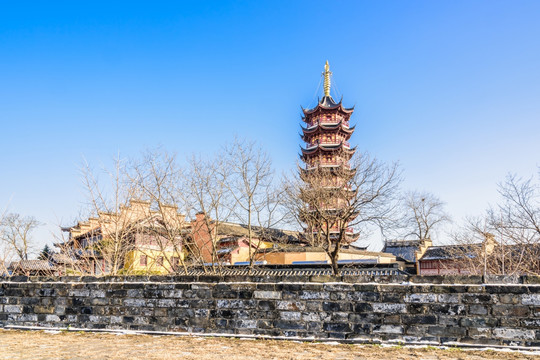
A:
[175,262]
[428,265]
[143,260]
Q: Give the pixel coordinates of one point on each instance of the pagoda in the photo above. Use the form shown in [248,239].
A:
[326,157]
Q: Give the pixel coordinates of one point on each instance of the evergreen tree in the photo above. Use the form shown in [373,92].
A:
[45,253]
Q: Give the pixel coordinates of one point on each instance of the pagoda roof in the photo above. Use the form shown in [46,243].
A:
[328,148]
[328,103]
[335,126]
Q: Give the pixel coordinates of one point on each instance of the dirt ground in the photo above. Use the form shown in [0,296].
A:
[16,344]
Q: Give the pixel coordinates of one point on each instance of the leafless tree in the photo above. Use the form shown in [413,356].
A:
[423,213]
[157,179]
[206,195]
[16,233]
[506,241]
[332,202]
[108,239]
[256,201]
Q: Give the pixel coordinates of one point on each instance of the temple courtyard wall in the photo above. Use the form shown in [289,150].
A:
[434,310]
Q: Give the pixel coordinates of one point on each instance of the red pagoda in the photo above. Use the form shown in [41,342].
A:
[328,152]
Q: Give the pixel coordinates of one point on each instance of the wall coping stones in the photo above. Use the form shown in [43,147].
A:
[326,279]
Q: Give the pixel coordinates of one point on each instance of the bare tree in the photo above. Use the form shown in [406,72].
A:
[516,224]
[423,213]
[16,233]
[206,198]
[506,241]
[335,202]
[101,243]
[256,201]
[157,179]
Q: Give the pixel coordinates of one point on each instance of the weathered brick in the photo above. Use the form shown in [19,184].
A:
[13,309]
[530,299]
[312,295]
[290,315]
[388,329]
[267,295]
[448,298]
[389,308]
[336,327]
[478,310]
[420,298]
[290,305]
[336,306]
[510,310]
[514,334]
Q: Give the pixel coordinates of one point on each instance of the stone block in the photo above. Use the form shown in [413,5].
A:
[290,305]
[13,309]
[447,309]
[269,305]
[477,298]
[287,324]
[510,310]
[332,306]
[337,327]
[446,331]
[478,310]
[420,298]
[79,292]
[530,299]
[419,319]
[388,329]
[448,298]
[43,310]
[314,295]
[259,294]
[135,302]
[165,303]
[509,299]
[479,322]
[514,334]
[99,301]
[311,316]
[363,307]
[290,315]
[480,333]
[389,308]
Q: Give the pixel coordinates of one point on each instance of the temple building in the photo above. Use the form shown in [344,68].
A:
[326,158]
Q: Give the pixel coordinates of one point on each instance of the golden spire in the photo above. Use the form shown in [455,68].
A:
[327,74]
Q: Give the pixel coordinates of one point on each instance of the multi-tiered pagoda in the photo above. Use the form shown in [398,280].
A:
[327,151]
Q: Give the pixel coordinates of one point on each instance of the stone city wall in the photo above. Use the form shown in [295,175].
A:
[407,309]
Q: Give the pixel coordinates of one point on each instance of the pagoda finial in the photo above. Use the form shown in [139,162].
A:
[327,74]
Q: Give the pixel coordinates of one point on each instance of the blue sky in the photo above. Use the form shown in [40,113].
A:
[449,89]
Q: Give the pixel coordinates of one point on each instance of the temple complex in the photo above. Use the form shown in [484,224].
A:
[327,168]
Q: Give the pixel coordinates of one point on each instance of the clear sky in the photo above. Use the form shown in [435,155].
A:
[450,89]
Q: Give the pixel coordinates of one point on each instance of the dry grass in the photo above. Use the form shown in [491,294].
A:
[79,345]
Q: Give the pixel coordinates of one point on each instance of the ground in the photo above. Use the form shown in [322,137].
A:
[84,345]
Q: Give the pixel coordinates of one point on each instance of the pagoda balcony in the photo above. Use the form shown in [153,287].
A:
[316,122]
[327,164]
[316,143]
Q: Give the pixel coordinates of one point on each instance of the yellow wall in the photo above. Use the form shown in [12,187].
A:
[133,261]
[290,257]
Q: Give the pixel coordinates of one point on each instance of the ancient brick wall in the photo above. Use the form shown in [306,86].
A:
[416,309]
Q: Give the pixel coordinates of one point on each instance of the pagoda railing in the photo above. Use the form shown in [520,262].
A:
[327,142]
[328,163]
[327,121]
